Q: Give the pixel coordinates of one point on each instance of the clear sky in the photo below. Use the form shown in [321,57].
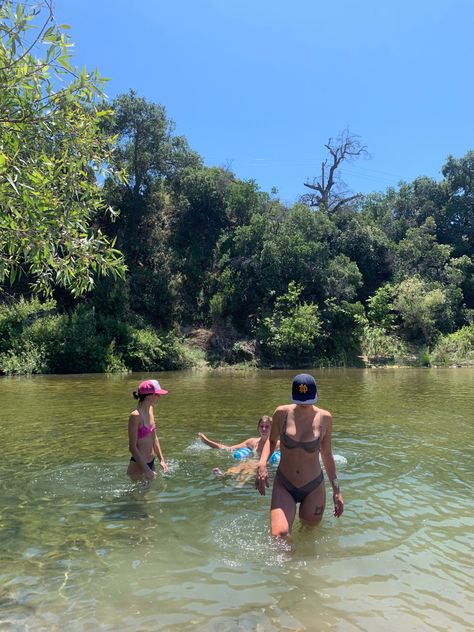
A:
[261,85]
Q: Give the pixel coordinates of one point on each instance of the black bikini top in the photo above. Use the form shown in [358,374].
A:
[288,442]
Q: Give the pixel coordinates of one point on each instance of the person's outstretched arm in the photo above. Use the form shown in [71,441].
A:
[248,443]
[213,444]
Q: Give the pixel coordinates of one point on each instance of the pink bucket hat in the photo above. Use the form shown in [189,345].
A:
[151,387]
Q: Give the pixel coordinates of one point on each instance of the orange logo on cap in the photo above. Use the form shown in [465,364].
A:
[303,388]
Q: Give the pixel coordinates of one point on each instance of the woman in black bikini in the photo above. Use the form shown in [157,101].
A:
[304,431]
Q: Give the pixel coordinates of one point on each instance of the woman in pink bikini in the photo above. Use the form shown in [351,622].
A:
[142,440]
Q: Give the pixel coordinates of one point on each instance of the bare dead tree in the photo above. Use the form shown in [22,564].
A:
[329,192]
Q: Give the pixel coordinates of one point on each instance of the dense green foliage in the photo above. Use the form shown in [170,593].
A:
[455,348]
[387,276]
[51,147]
[35,338]
[293,330]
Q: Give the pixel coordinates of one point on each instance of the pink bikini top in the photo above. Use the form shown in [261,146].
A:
[143,430]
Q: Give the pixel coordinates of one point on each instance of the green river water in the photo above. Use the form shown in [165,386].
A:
[81,548]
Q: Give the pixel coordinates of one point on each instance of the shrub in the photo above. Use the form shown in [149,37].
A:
[15,316]
[85,349]
[425,309]
[378,345]
[146,350]
[34,340]
[380,307]
[49,333]
[341,331]
[76,342]
[81,342]
[114,362]
[28,359]
[455,348]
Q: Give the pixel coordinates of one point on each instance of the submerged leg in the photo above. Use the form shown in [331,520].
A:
[312,507]
[282,512]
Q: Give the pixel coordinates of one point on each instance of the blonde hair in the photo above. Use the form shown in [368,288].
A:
[264,418]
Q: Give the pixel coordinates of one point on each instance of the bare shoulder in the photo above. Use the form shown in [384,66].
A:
[325,414]
[134,417]
[279,417]
[282,409]
[326,418]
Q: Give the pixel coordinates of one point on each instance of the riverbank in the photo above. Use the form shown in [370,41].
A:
[36,339]
[221,348]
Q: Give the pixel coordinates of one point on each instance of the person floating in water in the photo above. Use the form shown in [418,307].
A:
[246,468]
[304,431]
[142,440]
[253,443]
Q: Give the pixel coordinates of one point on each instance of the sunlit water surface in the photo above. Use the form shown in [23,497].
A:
[83,549]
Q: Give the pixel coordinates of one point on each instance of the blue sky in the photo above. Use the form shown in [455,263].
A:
[261,85]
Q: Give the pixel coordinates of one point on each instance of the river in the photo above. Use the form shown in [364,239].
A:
[82,548]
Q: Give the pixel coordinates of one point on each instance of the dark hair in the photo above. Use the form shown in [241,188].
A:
[139,396]
[264,418]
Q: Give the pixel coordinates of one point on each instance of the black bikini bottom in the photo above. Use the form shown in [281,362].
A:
[151,464]
[300,493]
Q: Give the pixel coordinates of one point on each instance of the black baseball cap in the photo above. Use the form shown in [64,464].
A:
[304,389]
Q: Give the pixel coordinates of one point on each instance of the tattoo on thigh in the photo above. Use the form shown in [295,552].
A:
[318,510]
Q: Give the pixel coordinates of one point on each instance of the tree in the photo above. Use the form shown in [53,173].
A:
[367,245]
[380,307]
[299,248]
[457,221]
[420,253]
[239,287]
[196,220]
[343,278]
[153,157]
[51,149]
[147,148]
[292,333]
[330,192]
